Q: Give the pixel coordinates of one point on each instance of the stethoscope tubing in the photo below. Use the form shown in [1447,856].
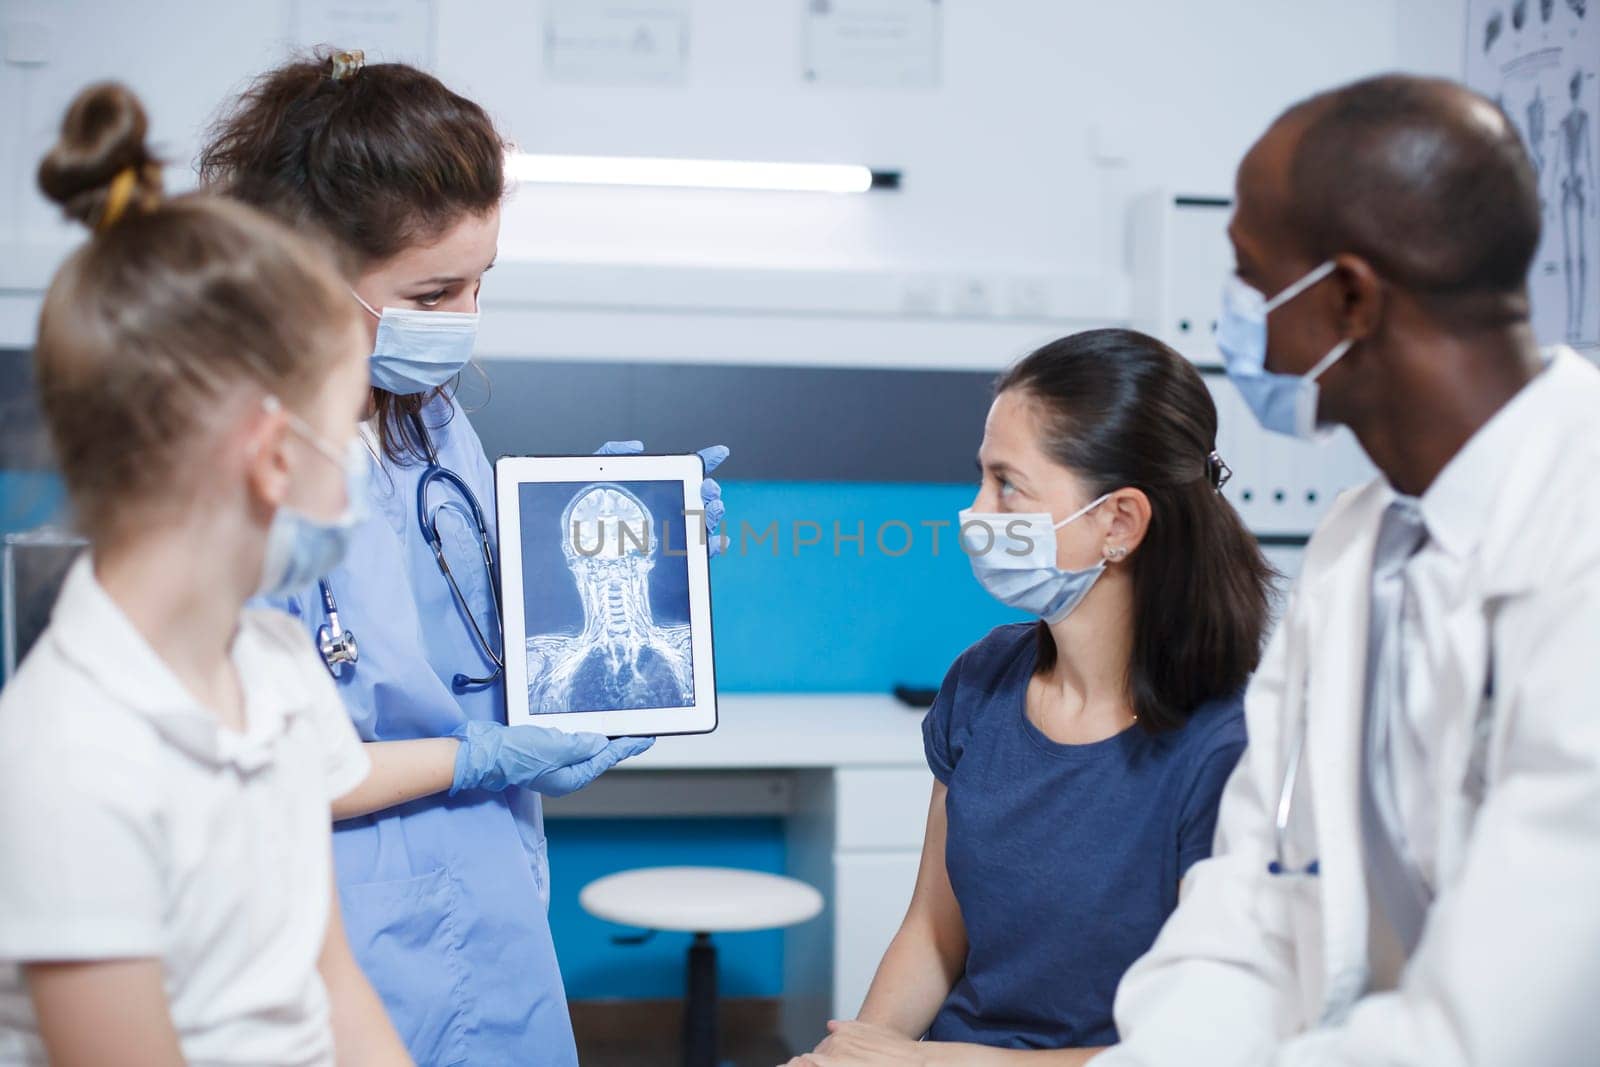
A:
[338,644]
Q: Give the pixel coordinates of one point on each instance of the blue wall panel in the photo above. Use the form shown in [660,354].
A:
[29,498]
[827,618]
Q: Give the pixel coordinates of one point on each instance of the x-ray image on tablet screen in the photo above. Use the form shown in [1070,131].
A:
[606,594]
[605,605]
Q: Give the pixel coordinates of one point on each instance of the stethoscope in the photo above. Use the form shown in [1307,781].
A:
[1280,821]
[338,644]
[1291,778]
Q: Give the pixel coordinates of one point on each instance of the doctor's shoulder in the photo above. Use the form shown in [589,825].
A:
[1354,514]
[1560,549]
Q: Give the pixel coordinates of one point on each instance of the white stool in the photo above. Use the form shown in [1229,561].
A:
[701,901]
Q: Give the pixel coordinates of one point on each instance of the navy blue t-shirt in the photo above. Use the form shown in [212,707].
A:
[1065,859]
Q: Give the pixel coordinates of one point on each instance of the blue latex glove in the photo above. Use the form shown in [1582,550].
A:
[550,762]
[710,491]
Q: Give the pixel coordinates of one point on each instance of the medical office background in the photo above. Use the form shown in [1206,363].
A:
[1062,165]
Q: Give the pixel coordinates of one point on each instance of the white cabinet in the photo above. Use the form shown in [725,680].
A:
[856,834]
[881,807]
[873,889]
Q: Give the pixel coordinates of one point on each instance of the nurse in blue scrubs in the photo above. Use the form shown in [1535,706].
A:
[1078,757]
[440,854]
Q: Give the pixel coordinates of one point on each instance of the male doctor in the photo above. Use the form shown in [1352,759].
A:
[1408,856]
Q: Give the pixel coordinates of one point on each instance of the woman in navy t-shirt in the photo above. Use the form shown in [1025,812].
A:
[1078,759]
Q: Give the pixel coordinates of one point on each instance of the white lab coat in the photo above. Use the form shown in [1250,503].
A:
[1260,969]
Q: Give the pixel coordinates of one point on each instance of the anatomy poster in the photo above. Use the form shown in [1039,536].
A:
[605,576]
[1538,60]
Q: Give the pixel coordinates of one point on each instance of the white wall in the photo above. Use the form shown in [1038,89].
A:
[1051,114]
[999,164]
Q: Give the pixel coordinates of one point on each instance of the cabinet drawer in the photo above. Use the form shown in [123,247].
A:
[881,807]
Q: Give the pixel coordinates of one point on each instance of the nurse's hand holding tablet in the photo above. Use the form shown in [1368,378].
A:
[547,761]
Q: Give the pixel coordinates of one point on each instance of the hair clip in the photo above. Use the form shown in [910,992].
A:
[118,196]
[347,65]
[1217,472]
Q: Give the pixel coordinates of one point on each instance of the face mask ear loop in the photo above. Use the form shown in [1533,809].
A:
[366,305]
[1081,512]
[1299,287]
[303,430]
[1333,356]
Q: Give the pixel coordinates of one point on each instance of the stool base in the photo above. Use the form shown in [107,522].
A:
[700,1005]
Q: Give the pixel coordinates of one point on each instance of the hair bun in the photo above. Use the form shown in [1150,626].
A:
[100,168]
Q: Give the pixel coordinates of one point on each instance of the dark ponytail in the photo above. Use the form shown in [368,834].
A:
[378,158]
[1122,410]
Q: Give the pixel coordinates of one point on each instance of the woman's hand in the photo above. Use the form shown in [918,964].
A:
[858,1044]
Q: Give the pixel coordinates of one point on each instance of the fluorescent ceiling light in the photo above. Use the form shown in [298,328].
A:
[699,173]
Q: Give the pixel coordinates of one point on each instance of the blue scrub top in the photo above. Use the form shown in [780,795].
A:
[1065,859]
[444,899]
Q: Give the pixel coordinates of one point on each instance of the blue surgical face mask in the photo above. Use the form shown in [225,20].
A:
[1013,555]
[1284,403]
[301,549]
[418,351]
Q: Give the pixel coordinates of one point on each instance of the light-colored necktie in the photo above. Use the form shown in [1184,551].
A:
[1396,884]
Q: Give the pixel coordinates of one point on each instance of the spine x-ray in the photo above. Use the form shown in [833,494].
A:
[606,596]
[1540,67]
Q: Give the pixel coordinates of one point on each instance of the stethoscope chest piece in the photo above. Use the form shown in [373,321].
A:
[1279,865]
[337,649]
[337,645]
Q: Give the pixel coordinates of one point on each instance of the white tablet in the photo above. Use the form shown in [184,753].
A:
[606,594]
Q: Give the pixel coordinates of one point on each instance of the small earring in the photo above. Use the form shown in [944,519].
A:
[1115,554]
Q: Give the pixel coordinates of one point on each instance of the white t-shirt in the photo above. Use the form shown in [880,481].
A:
[133,824]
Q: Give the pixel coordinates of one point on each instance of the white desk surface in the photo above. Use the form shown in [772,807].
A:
[796,730]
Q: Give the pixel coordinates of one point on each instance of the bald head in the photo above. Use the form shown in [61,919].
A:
[1424,179]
